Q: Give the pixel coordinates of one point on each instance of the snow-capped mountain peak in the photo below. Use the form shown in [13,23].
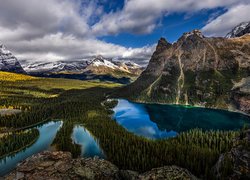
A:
[3,50]
[98,65]
[8,62]
[56,67]
[240,30]
[101,61]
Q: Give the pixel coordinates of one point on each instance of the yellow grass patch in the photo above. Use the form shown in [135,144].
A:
[7,76]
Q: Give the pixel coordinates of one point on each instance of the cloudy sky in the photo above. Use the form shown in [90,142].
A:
[50,30]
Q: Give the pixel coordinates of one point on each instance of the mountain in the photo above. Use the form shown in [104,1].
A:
[67,67]
[8,62]
[100,65]
[195,70]
[240,30]
[97,68]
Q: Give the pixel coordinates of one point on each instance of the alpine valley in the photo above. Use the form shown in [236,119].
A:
[185,116]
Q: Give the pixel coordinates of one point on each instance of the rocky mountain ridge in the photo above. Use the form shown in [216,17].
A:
[8,62]
[239,30]
[98,68]
[195,70]
[81,66]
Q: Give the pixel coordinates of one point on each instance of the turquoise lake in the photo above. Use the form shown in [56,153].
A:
[47,133]
[163,121]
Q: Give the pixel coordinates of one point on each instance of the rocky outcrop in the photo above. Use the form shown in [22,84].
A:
[195,70]
[235,164]
[8,62]
[60,165]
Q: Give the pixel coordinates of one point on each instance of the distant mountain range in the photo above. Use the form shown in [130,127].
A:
[98,68]
[197,70]
[169,69]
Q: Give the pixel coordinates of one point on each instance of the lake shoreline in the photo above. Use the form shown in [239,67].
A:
[159,121]
[191,106]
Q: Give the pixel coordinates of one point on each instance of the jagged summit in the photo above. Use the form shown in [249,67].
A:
[239,30]
[162,45]
[8,62]
[195,70]
[196,32]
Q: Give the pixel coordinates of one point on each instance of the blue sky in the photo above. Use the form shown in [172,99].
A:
[53,30]
[170,27]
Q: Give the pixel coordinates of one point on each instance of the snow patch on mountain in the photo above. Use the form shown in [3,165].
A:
[100,61]
[56,67]
[240,30]
[8,62]
[98,65]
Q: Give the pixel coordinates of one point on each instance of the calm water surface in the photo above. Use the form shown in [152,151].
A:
[163,121]
[89,145]
[47,133]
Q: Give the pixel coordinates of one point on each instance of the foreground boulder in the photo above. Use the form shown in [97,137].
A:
[60,165]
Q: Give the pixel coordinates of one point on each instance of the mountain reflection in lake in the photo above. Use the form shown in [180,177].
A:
[163,121]
[89,145]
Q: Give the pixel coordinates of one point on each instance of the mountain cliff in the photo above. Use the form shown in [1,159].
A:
[8,62]
[240,30]
[195,70]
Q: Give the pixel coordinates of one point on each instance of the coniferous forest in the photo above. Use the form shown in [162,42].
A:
[195,150]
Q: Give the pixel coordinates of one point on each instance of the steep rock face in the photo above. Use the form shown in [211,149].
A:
[60,165]
[235,163]
[195,70]
[8,62]
[151,73]
[240,30]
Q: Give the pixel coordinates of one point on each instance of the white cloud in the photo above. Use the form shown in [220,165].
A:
[142,16]
[221,25]
[59,46]
[57,29]
[68,29]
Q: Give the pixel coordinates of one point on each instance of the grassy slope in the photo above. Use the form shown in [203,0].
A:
[17,85]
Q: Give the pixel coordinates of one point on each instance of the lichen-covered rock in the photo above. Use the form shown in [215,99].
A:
[60,165]
[167,173]
[235,164]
